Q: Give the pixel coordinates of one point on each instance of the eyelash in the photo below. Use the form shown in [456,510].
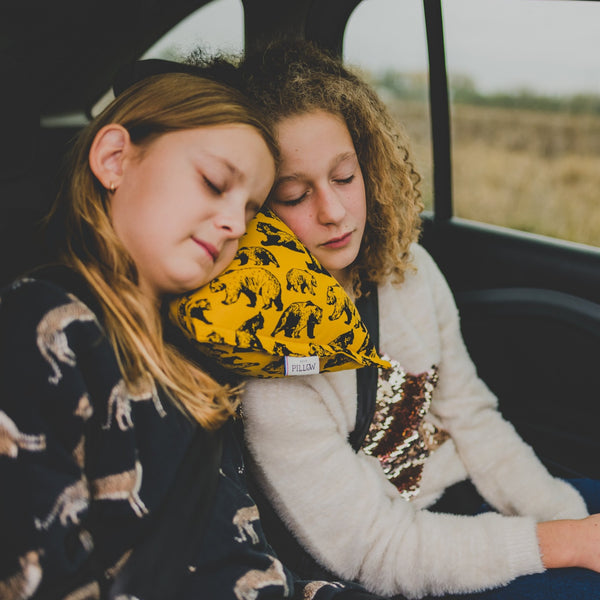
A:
[345,181]
[295,201]
[212,186]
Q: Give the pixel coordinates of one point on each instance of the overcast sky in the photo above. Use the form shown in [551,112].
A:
[549,46]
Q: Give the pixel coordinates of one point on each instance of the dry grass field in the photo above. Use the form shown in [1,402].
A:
[530,170]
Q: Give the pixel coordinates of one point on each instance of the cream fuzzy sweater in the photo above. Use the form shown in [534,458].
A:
[341,506]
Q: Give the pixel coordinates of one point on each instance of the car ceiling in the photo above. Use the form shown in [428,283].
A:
[60,57]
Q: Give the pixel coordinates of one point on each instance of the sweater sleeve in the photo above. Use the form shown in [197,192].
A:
[501,465]
[43,410]
[341,507]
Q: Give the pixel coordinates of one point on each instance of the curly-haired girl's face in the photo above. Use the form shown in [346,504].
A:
[319,192]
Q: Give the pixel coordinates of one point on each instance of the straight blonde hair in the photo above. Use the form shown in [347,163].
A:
[149,108]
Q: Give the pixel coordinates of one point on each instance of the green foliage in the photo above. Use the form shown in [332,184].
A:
[463,90]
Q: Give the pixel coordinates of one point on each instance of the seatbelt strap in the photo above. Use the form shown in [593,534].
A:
[366,377]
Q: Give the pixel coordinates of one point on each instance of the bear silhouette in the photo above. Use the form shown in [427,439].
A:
[195,308]
[281,349]
[368,348]
[301,281]
[245,335]
[315,267]
[275,366]
[297,317]
[255,255]
[316,350]
[252,282]
[278,237]
[341,342]
[341,305]
[336,361]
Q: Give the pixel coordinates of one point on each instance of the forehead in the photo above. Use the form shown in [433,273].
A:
[317,136]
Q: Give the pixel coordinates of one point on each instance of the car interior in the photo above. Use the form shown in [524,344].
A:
[529,302]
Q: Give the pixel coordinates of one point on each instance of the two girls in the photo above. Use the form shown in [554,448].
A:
[121,477]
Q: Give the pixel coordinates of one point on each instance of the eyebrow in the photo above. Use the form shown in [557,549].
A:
[233,170]
[336,160]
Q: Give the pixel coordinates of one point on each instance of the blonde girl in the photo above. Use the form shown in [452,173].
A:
[98,413]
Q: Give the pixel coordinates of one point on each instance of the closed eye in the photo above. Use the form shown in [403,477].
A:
[213,188]
[295,200]
[346,180]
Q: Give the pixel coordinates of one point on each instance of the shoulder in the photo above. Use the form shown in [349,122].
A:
[423,273]
[420,275]
[38,314]
[32,299]
[423,263]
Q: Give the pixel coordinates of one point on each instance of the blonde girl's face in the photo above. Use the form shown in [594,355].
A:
[182,204]
[319,191]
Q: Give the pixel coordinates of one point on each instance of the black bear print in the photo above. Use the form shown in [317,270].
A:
[281,349]
[336,361]
[277,237]
[255,255]
[301,281]
[245,335]
[367,348]
[315,267]
[253,282]
[341,305]
[316,350]
[341,342]
[275,366]
[297,317]
[196,309]
[236,361]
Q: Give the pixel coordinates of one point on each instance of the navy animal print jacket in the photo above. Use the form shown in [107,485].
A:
[85,464]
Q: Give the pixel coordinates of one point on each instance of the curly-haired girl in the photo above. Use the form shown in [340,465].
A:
[375,507]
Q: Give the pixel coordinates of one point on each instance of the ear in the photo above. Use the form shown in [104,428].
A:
[107,154]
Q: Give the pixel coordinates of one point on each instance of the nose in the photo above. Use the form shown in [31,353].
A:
[232,220]
[330,207]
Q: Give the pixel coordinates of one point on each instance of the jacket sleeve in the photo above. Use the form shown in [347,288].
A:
[503,467]
[43,411]
[341,507]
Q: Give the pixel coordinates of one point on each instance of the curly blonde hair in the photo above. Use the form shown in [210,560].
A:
[288,78]
[148,109]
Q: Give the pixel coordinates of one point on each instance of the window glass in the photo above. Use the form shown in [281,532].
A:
[217,26]
[386,40]
[525,104]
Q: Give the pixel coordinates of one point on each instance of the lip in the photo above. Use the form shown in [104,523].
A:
[209,248]
[338,242]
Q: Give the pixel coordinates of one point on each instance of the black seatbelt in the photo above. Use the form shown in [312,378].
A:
[366,377]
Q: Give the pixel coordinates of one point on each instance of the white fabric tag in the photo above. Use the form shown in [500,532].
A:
[301,365]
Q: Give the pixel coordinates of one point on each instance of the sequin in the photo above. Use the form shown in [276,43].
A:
[399,436]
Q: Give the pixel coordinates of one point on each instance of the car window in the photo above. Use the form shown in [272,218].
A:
[525,114]
[386,40]
[216,26]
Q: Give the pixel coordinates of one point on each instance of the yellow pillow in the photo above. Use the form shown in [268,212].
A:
[275,311]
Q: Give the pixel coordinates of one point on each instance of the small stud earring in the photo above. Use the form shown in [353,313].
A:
[112,187]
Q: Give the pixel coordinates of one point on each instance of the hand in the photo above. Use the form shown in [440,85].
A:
[570,543]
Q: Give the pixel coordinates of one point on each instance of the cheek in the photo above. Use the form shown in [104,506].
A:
[300,220]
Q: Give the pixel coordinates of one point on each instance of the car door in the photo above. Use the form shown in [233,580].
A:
[512,159]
